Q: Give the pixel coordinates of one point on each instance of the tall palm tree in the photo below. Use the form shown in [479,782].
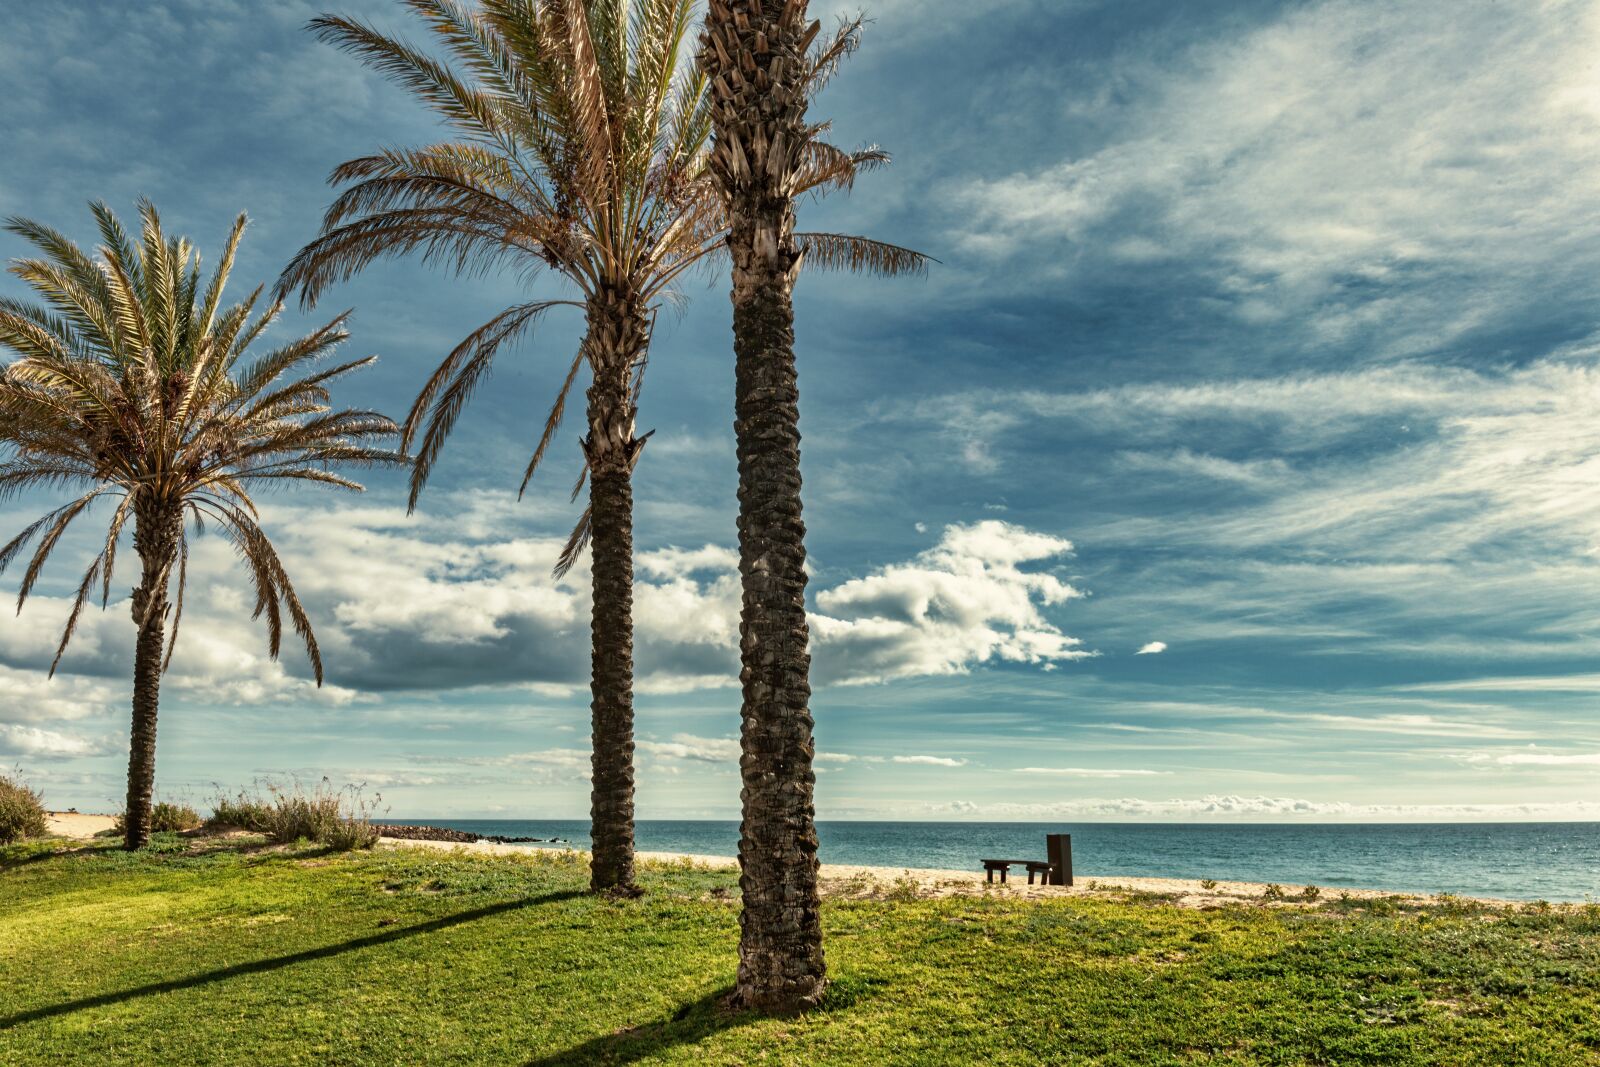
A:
[583,131]
[131,384]
[765,62]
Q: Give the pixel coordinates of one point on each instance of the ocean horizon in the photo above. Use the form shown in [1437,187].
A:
[1555,861]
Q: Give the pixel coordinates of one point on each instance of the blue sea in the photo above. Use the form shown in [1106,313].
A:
[1518,861]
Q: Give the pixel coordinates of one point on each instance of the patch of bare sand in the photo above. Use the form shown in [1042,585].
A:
[76,825]
[852,881]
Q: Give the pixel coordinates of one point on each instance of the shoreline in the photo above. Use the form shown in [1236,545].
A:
[863,880]
[860,880]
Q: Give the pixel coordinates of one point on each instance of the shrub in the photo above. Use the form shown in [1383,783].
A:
[21,812]
[1208,884]
[165,818]
[1273,891]
[240,812]
[338,819]
[1310,892]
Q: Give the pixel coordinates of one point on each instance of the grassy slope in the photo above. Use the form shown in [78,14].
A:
[410,957]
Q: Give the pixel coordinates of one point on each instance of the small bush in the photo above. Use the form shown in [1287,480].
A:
[1310,892]
[339,819]
[165,818]
[1208,884]
[21,812]
[240,812]
[1274,891]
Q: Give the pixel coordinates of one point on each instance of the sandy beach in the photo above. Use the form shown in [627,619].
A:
[77,826]
[852,880]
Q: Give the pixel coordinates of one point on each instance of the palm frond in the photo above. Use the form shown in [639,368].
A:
[130,384]
[860,255]
[445,393]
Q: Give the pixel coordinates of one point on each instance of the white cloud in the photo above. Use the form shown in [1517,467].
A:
[1561,683]
[29,696]
[1223,807]
[1151,648]
[931,761]
[450,600]
[1090,772]
[697,749]
[1537,759]
[31,742]
[1348,166]
[961,603]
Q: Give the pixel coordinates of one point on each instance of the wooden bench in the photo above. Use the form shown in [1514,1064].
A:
[1057,870]
[1034,867]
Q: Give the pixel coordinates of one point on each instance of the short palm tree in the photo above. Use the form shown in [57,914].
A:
[583,134]
[765,63]
[132,386]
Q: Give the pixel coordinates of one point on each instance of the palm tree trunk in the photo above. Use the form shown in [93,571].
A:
[759,82]
[618,337]
[155,538]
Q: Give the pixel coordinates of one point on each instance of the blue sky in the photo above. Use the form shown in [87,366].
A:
[1238,461]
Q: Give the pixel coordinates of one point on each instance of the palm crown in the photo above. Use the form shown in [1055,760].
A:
[585,135]
[133,386]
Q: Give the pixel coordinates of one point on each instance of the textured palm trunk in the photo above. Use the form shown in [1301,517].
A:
[155,538]
[754,51]
[618,336]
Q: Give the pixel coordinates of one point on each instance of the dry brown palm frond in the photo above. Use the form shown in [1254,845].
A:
[837,251]
[824,168]
[827,55]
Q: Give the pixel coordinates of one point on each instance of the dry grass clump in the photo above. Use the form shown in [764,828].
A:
[339,819]
[166,817]
[21,811]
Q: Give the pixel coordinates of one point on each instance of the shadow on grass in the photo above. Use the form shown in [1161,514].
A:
[279,962]
[8,862]
[693,1022]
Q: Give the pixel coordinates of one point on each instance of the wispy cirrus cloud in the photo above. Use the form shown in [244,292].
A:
[1341,171]
[1092,772]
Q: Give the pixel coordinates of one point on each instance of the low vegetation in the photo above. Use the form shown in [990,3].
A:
[166,817]
[21,811]
[338,819]
[209,950]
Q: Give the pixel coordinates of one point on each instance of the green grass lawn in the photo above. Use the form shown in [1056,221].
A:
[243,955]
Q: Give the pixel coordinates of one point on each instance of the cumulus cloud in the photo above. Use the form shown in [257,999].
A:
[1151,648]
[963,602]
[452,601]
[29,696]
[32,742]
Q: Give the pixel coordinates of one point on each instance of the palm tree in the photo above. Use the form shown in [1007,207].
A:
[583,139]
[764,68]
[131,386]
